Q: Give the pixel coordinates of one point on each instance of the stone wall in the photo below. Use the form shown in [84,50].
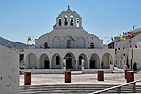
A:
[9,71]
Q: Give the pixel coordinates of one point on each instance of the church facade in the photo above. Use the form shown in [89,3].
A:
[69,46]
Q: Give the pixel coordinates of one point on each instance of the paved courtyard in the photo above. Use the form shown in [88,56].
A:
[81,83]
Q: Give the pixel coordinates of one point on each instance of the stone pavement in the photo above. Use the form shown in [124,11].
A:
[81,83]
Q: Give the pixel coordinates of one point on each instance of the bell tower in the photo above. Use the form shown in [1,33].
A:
[68,19]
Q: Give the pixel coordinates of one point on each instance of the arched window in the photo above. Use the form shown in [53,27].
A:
[68,44]
[60,22]
[66,20]
[71,20]
[77,22]
[57,60]
[92,45]
[45,45]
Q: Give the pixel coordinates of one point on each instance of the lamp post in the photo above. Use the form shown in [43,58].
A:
[131,53]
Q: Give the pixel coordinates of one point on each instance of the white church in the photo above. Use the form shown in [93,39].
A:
[128,51]
[69,47]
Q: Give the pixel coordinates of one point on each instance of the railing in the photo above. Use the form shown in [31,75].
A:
[33,47]
[118,88]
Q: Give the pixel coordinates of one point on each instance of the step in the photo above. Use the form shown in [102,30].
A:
[76,72]
[71,89]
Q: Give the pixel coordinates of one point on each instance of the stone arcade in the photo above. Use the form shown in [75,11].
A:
[68,46]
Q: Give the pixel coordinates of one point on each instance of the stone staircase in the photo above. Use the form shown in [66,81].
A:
[71,89]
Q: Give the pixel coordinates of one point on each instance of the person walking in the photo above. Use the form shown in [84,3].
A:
[102,64]
[135,66]
[128,66]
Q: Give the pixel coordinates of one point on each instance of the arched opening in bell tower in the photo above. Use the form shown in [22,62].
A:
[77,22]
[71,20]
[66,20]
[60,22]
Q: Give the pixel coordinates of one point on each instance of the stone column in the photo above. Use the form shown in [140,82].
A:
[38,63]
[26,63]
[62,63]
[100,63]
[77,64]
[50,66]
[89,62]
[68,20]
[82,65]
[62,20]
[74,21]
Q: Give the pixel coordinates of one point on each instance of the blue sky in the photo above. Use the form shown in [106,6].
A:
[104,18]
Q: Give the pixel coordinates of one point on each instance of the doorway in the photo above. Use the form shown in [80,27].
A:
[46,64]
[92,64]
[69,63]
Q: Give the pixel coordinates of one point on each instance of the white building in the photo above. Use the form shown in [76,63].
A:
[128,51]
[68,44]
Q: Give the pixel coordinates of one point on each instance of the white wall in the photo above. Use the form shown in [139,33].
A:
[137,57]
[58,37]
[9,71]
[139,44]
[129,52]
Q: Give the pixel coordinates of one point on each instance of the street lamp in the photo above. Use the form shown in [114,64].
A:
[131,53]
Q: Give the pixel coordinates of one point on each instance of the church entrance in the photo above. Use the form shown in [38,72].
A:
[94,61]
[92,64]
[70,61]
[46,64]
[44,61]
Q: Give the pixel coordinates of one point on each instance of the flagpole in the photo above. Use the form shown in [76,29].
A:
[27,43]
